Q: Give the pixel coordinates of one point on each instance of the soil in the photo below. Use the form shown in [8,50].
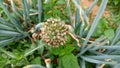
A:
[86,3]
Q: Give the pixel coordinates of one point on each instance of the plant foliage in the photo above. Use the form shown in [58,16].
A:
[22,46]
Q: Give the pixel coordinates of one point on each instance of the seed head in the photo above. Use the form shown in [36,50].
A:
[54,32]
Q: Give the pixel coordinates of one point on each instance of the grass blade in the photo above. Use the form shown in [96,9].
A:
[4,27]
[40,46]
[95,22]
[3,21]
[26,12]
[117,36]
[69,12]
[103,57]
[13,21]
[91,7]
[82,64]
[107,47]
[9,33]
[15,9]
[8,53]
[90,46]
[6,42]
[39,10]
[97,61]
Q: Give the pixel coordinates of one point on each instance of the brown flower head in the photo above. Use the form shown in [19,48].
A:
[54,32]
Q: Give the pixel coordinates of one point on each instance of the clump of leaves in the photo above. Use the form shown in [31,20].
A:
[114,5]
[78,51]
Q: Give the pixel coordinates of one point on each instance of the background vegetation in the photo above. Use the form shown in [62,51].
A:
[93,40]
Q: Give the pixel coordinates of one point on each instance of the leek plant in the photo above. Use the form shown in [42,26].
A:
[42,42]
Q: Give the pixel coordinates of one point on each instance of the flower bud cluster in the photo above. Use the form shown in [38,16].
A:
[54,32]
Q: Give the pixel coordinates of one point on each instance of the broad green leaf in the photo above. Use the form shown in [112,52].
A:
[36,60]
[2,62]
[47,1]
[100,28]
[66,50]
[34,66]
[116,2]
[69,61]
[69,40]
[55,51]
[3,59]
[63,50]
[109,34]
[60,2]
